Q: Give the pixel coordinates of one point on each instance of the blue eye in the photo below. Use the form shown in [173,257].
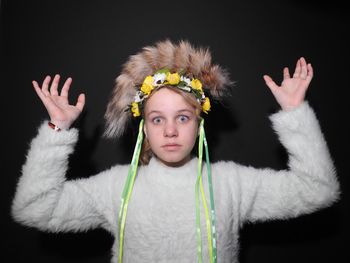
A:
[157,120]
[183,118]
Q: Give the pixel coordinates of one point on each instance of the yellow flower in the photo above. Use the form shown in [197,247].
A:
[196,84]
[173,79]
[148,80]
[147,85]
[206,105]
[135,109]
[146,89]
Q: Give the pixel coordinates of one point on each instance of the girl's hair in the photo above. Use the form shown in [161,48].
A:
[146,151]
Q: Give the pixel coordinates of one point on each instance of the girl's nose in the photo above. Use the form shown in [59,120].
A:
[170,130]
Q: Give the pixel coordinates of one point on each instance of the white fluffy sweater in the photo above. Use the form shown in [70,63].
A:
[160,224]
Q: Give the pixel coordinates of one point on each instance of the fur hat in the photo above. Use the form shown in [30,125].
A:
[176,57]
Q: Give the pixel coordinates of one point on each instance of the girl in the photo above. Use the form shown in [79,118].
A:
[168,212]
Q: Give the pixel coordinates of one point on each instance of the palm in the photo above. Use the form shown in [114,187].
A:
[59,108]
[61,112]
[292,91]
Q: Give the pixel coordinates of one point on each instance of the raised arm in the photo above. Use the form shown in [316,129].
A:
[310,181]
[44,198]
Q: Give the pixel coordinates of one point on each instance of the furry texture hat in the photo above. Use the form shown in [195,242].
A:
[176,57]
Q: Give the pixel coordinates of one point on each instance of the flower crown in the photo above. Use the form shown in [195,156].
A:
[164,77]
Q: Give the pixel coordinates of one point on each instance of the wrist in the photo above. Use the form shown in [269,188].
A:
[291,107]
[54,126]
[62,125]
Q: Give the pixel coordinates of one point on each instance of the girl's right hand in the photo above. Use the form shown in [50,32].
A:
[57,105]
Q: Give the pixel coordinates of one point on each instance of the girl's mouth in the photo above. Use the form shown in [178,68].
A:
[171,146]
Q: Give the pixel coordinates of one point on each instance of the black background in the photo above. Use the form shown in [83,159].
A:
[90,40]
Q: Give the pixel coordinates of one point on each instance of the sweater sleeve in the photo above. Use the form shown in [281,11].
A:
[308,184]
[44,199]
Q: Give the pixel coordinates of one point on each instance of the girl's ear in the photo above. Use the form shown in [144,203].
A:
[145,130]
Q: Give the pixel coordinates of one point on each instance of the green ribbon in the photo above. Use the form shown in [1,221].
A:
[210,217]
[211,194]
[128,189]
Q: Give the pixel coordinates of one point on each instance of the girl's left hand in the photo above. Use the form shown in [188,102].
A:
[292,91]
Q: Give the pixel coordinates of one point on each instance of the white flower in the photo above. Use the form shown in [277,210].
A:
[187,80]
[159,77]
[138,97]
[185,88]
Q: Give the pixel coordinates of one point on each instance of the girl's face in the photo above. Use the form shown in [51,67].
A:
[171,127]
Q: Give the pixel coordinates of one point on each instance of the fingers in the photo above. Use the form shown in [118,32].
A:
[297,69]
[44,90]
[270,83]
[303,70]
[286,74]
[54,85]
[45,86]
[310,72]
[38,90]
[57,104]
[65,88]
[81,102]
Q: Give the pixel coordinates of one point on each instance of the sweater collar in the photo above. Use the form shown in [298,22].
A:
[183,175]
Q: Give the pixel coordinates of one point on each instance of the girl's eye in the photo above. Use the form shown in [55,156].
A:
[157,120]
[183,118]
